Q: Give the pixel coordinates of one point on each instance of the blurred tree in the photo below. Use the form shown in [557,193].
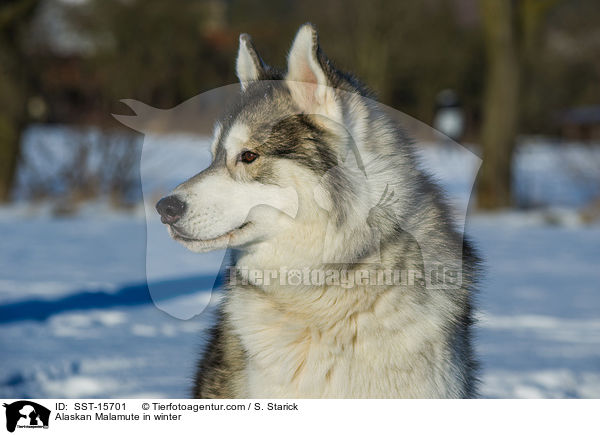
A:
[407,52]
[562,64]
[511,35]
[501,108]
[159,52]
[15,82]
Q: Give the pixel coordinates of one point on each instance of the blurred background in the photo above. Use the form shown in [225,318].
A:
[516,82]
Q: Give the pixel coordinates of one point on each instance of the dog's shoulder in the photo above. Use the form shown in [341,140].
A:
[221,370]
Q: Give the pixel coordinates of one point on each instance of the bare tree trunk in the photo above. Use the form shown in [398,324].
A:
[14,87]
[9,151]
[501,105]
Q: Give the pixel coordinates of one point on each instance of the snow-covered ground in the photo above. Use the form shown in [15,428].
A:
[539,329]
[77,320]
[539,310]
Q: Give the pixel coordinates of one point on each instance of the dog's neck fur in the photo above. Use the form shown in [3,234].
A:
[328,341]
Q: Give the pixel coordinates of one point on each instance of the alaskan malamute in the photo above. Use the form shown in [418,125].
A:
[337,236]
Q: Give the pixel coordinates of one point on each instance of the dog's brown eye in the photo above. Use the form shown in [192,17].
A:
[248,156]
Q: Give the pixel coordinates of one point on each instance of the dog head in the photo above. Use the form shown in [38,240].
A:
[275,156]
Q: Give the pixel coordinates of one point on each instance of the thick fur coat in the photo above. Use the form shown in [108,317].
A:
[309,174]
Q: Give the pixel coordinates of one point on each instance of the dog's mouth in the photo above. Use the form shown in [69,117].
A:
[179,235]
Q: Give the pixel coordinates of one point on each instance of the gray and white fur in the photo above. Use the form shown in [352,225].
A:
[309,173]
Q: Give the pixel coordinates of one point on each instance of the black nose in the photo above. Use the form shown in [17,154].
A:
[170,209]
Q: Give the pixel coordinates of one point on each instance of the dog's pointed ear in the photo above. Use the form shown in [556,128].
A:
[249,66]
[303,58]
[306,76]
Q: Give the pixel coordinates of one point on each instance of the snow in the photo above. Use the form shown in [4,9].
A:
[78,320]
[539,308]
[545,173]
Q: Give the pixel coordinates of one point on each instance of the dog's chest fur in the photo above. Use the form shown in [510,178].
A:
[341,343]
